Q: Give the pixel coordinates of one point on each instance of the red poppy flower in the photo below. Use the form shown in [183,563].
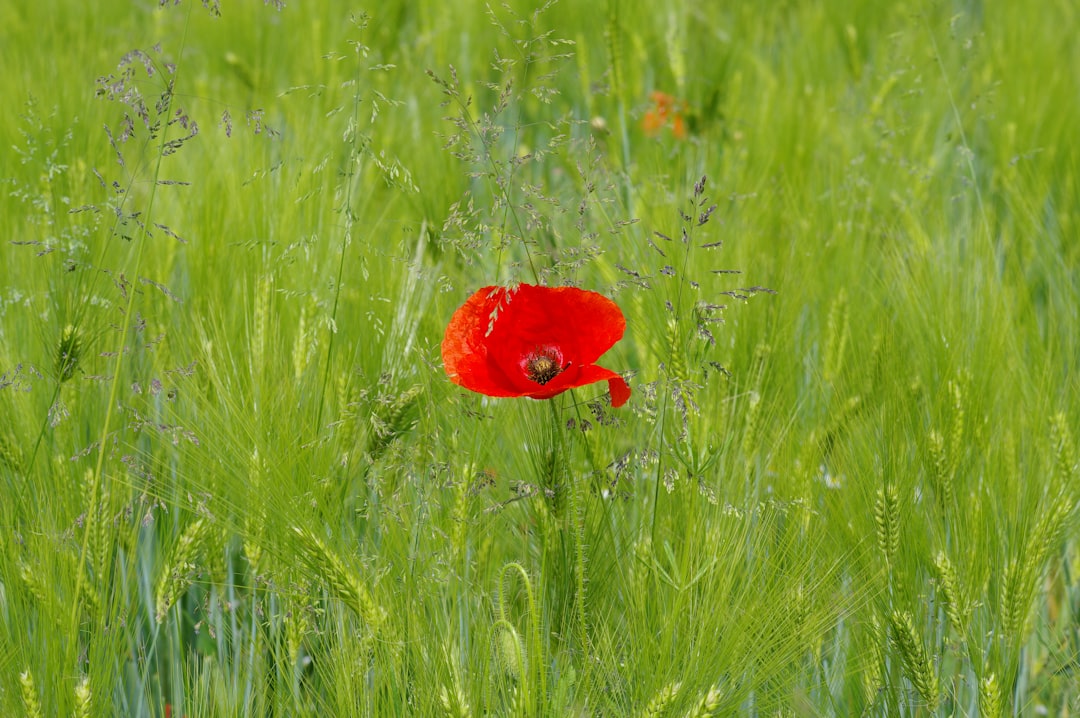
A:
[533,341]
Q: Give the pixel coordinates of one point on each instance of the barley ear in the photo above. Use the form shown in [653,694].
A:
[10,455]
[460,514]
[955,605]
[176,573]
[990,697]
[752,435]
[956,434]
[676,364]
[83,698]
[1022,574]
[660,702]
[707,706]
[887,518]
[259,326]
[255,517]
[30,699]
[917,663]
[837,333]
[454,705]
[942,470]
[33,582]
[297,623]
[1065,463]
[342,582]
[303,345]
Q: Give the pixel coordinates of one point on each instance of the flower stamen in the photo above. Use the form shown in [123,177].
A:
[542,368]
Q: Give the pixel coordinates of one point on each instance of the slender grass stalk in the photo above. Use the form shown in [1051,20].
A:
[100,481]
[349,217]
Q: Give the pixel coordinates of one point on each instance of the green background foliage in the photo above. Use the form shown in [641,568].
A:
[236,480]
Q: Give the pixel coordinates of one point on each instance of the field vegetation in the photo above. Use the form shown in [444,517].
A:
[235,479]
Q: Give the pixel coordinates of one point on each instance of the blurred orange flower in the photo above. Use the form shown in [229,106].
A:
[666,111]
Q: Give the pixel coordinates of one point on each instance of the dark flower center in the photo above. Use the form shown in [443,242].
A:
[542,367]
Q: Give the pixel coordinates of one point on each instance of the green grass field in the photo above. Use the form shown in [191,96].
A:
[237,481]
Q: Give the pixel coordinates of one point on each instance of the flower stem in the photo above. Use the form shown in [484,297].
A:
[577,523]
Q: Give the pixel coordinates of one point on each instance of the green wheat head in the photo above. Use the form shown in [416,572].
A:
[177,573]
[1022,573]
[1065,462]
[660,702]
[887,519]
[708,706]
[10,453]
[956,606]
[917,664]
[837,335]
[343,583]
[30,699]
[990,705]
[83,698]
[298,623]
[454,702]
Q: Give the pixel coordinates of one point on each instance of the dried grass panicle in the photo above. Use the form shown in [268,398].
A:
[514,216]
[179,571]
[917,664]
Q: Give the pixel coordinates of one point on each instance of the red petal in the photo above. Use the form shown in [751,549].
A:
[581,323]
[465,346]
[620,391]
